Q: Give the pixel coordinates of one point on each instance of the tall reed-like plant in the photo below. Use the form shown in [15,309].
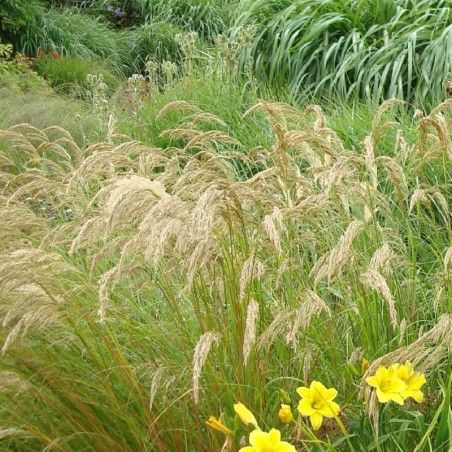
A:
[375,49]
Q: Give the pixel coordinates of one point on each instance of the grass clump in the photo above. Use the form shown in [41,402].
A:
[70,33]
[154,40]
[206,17]
[369,49]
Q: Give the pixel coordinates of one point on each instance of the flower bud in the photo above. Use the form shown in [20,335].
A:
[218,425]
[285,414]
[245,415]
[364,365]
[284,396]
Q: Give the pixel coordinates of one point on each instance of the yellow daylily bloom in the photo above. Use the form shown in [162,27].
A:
[388,385]
[267,442]
[413,381]
[218,425]
[285,414]
[245,414]
[317,402]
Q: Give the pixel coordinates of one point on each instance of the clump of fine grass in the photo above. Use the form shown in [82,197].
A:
[43,108]
[69,74]
[177,280]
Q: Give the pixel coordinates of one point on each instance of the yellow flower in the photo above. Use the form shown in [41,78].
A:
[389,386]
[413,381]
[245,414]
[285,414]
[218,425]
[316,402]
[267,442]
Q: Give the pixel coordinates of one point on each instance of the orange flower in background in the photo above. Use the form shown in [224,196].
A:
[55,55]
[41,54]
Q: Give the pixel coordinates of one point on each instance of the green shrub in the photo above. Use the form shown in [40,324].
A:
[91,38]
[15,72]
[15,15]
[21,82]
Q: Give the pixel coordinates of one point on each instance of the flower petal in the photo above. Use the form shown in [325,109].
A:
[218,425]
[396,385]
[373,381]
[275,436]
[383,397]
[263,441]
[316,420]
[317,388]
[329,409]
[398,399]
[285,414]
[258,438]
[304,392]
[331,394]
[305,407]
[417,395]
[284,446]
[417,382]
[382,373]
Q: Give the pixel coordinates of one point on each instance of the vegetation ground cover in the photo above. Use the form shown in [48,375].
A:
[200,250]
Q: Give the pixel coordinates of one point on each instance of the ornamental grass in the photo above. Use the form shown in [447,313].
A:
[147,289]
